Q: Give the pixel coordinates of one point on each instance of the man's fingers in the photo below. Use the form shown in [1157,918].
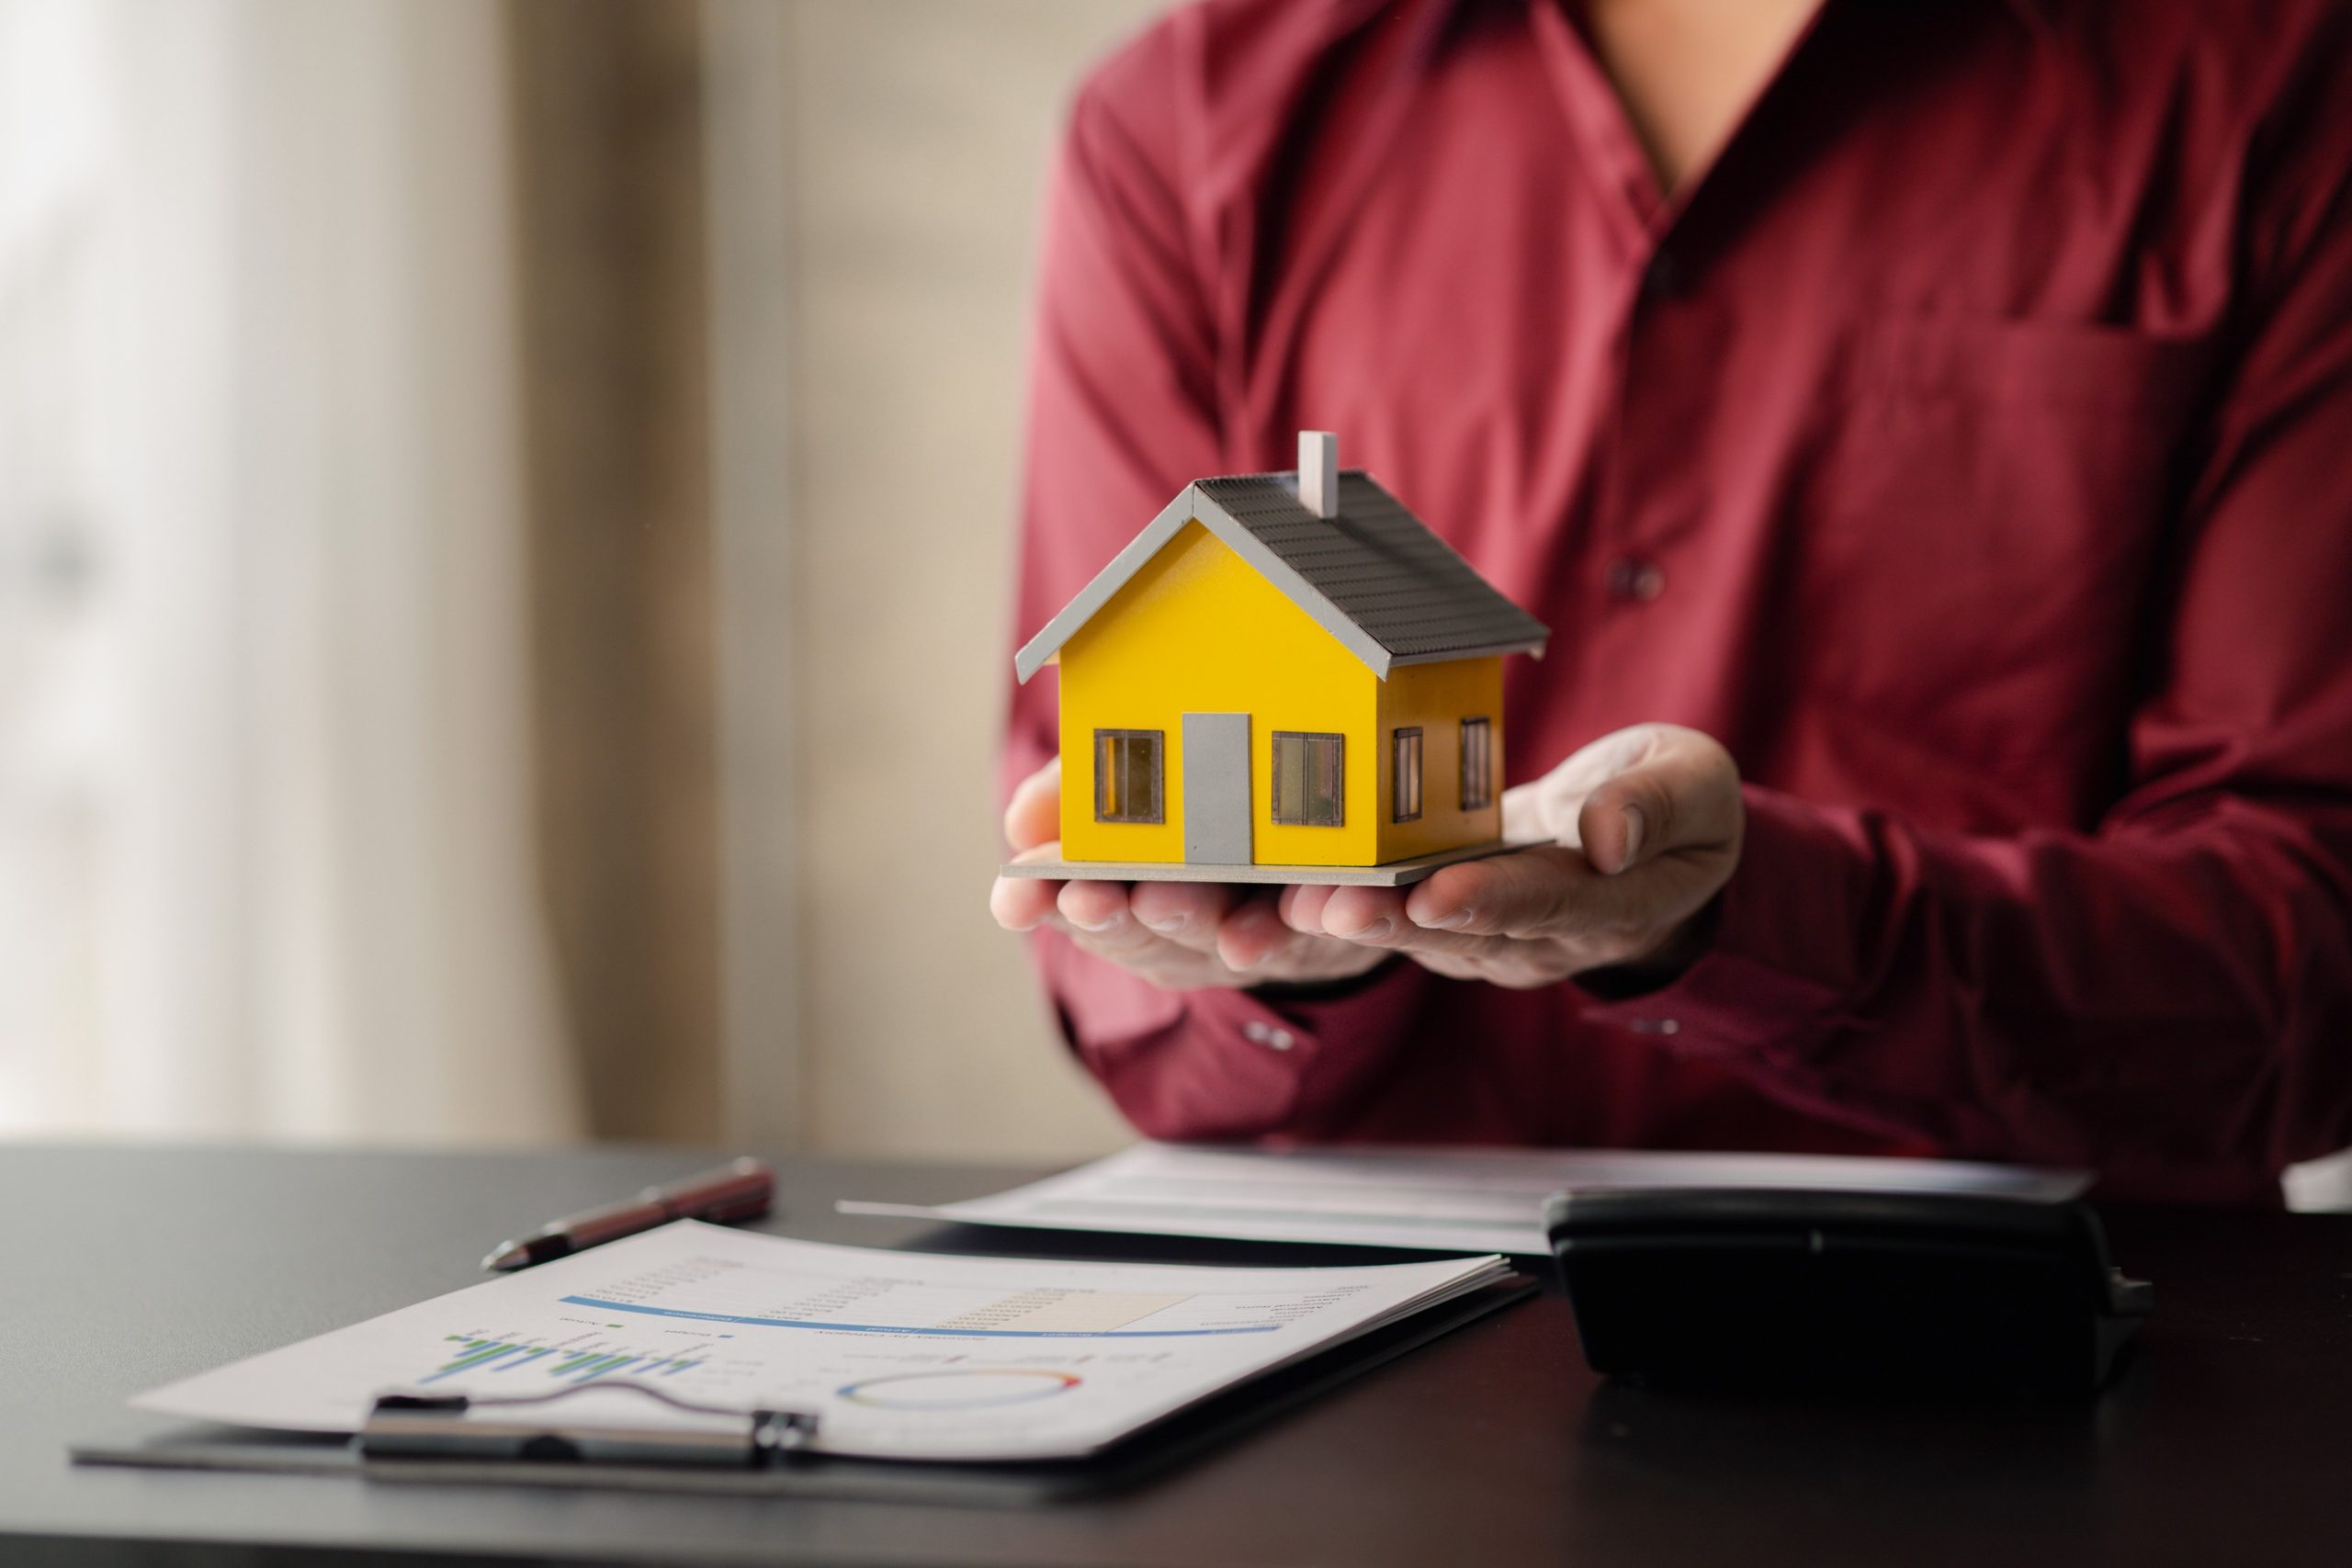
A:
[1256,944]
[1627,820]
[1226,936]
[1033,815]
[1099,909]
[1373,916]
[1253,933]
[1258,939]
[1544,891]
[1300,904]
[1186,913]
[1420,943]
[1022,903]
[1683,794]
[1137,951]
[1369,917]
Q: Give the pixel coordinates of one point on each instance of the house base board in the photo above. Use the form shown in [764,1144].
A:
[1393,873]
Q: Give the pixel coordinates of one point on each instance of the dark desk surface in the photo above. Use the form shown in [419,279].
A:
[2230,1441]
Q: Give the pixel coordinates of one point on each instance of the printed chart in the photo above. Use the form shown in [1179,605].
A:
[897,1354]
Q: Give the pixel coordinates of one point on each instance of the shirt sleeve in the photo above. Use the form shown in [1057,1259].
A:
[2166,998]
[1123,415]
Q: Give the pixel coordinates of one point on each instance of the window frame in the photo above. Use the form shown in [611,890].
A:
[1477,764]
[1402,740]
[1159,805]
[1338,751]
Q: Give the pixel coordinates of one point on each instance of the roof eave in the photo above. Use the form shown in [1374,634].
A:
[1101,588]
[1532,647]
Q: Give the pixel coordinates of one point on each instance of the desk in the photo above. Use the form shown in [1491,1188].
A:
[2230,1442]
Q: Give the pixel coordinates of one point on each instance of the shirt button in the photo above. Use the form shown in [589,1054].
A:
[1655,1025]
[1634,581]
[1273,1036]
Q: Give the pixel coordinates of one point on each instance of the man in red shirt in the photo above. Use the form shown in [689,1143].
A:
[1938,498]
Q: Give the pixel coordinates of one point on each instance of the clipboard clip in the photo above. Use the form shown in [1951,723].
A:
[405,1426]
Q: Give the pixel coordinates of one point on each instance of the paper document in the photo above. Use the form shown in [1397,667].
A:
[899,1355]
[1440,1199]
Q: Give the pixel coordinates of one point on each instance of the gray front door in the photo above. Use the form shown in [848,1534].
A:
[1217,788]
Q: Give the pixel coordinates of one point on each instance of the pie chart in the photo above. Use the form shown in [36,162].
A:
[958,1388]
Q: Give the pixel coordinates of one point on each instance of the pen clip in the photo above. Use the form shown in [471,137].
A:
[403,1425]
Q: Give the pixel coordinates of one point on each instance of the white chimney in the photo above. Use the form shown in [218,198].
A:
[1319,472]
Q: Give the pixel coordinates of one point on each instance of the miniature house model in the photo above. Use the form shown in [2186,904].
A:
[1284,674]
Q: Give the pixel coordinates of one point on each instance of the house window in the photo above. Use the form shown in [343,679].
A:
[1310,778]
[1477,764]
[1126,776]
[1405,774]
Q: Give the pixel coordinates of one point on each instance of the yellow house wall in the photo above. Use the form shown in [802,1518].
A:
[1198,630]
[1438,697]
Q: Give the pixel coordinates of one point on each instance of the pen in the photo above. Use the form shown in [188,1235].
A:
[741,1189]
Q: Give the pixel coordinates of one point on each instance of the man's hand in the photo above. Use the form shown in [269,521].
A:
[1641,829]
[1178,935]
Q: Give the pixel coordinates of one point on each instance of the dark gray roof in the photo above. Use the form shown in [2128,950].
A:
[1374,576]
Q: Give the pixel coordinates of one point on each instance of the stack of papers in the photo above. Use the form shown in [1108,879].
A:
[1437,1200]
[899,1355]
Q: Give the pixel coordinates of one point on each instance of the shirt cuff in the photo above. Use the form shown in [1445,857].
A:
[1771,980]
[1217,1064]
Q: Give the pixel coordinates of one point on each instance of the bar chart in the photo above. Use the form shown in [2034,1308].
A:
[561,1363]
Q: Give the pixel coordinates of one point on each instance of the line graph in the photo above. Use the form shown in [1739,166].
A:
[949,1329]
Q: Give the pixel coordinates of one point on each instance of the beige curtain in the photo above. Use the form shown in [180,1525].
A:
[265,855]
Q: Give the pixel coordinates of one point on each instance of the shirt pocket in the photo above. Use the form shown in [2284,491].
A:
[1982,534]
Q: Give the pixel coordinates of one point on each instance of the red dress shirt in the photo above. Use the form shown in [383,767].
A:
[1970,450]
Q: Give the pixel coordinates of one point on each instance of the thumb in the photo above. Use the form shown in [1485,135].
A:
[1681,793]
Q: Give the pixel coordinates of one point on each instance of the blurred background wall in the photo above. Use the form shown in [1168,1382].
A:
[920,131]
[505,514]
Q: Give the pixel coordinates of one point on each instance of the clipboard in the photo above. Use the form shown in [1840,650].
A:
[537,1427]
[789,1469]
